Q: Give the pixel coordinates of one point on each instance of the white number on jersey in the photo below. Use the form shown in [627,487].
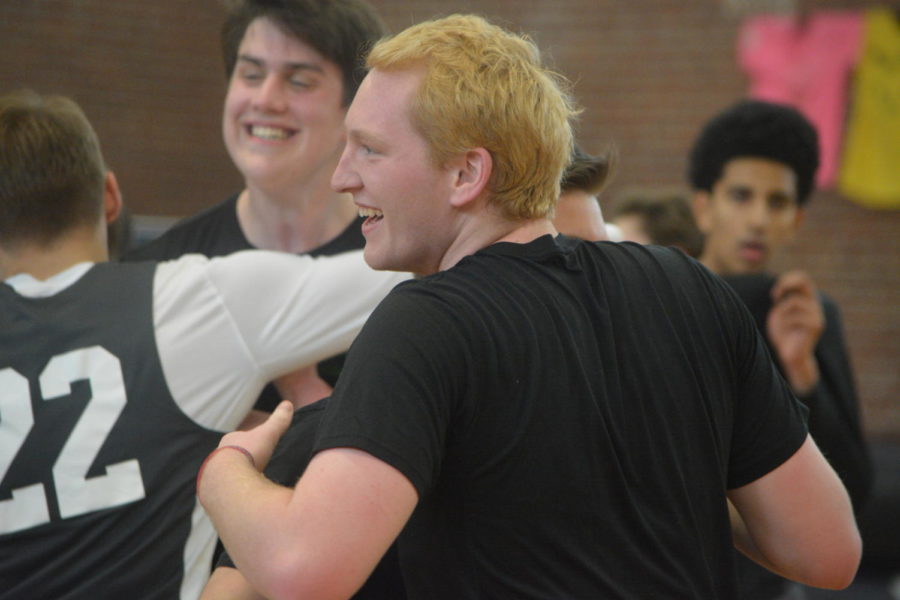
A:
[77,494]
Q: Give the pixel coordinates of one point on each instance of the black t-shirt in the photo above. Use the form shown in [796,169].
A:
[571,415]
[216,231]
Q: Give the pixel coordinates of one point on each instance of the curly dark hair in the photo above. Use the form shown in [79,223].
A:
[753,128]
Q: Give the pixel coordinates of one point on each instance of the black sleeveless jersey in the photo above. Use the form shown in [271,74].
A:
[97,460]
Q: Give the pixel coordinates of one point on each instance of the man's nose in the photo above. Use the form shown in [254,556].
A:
[759,213]
[270,96]
[344,179]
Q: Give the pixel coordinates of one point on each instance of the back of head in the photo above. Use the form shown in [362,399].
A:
[51,170]
[341,31]
[756,129]
[665,216]
[485,87]
[586,172]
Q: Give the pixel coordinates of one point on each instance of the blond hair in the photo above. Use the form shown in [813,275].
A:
[486,87]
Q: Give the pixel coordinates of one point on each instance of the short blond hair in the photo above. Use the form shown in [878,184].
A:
[486,87]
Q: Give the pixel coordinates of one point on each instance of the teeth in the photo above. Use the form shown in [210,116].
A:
[369,212]
[269,133]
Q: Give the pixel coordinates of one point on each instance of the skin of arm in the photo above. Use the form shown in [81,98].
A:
[797,521]
[229,584]
[320,540]
[794,326]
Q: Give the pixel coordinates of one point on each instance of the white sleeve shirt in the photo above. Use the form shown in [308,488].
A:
[225,326]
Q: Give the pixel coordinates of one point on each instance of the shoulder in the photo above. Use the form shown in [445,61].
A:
[639,266]
[419,313]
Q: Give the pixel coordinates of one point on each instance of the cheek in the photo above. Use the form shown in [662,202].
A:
[231,112]
[235,97]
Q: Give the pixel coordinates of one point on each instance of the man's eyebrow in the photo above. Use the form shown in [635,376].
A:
[781,195]
[289,66]
[363,137]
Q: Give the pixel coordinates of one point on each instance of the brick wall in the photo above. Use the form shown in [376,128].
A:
[648,73]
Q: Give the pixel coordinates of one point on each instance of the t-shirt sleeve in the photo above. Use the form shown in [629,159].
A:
[397,392]
[297,310]
[769,421]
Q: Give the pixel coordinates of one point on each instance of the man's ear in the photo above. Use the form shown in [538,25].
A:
[701,206]
[112,198]
[471,173]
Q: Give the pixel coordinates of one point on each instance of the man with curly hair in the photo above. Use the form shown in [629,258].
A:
[753,169]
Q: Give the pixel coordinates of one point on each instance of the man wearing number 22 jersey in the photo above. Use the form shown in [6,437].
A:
[117,379]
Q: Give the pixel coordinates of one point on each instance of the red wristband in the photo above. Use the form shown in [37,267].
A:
[241,449]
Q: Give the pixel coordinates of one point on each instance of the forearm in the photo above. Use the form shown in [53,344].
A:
[743,541]
[249,512]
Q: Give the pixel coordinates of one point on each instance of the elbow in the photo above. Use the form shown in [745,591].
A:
[277,578]
[837,570]
[845,573]
[288,577]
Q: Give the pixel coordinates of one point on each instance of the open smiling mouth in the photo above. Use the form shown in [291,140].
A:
[372,215]
[265,132]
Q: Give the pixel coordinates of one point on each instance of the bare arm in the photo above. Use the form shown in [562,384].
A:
[227,583]
[320,540]
[797,521]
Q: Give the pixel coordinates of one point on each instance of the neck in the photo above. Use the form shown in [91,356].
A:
[296,221]
[501,230]
[43,262]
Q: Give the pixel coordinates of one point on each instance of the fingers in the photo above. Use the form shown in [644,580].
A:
[261,440]
[793,283]
[795,306]
[280,419]
[798,309]
[794,326]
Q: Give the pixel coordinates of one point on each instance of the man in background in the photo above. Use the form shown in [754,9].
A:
[578,212]
[293,67]
[660,217]
[752,169]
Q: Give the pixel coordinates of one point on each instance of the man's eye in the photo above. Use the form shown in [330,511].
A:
[300,83]
[779,203]
[251,75]
[740,196]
